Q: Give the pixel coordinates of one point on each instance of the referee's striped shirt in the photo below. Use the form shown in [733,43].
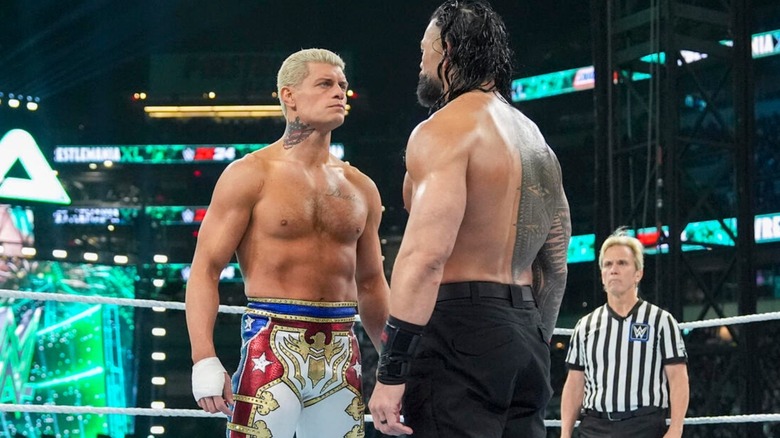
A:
[623,358]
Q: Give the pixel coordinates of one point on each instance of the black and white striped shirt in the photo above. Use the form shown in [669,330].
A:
[623,358]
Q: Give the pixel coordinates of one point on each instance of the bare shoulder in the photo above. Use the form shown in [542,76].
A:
[362,181]
[245,175]
[455,126]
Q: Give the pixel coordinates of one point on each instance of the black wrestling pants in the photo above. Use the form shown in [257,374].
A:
[482,369]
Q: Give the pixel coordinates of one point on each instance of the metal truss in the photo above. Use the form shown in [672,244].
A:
[674,144]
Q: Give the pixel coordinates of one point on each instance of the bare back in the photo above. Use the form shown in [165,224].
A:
[513,188]
[485,180]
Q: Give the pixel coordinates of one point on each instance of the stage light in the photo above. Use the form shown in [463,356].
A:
[159,381]
[158,282]
[111,227]
[108,163]
[159,309]
[59,253]
[32,106]
[211,95]
[159,332]
[157,430]
[121,259]
[160,258]
[28,251]
[92,166]
[158,405]
[218,111]
[157,355]
[91,256]
[13,103]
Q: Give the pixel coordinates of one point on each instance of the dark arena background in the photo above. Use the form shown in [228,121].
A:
[117,118]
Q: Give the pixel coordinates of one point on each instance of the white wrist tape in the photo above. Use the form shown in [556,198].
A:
[208,378]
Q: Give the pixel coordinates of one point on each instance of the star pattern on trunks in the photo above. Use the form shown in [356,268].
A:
[248,323]
[261,363]
[358,369]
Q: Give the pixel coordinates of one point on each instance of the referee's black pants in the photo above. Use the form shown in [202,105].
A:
[482,371]
[645,426]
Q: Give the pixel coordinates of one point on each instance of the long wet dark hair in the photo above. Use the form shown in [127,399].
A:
[476,46]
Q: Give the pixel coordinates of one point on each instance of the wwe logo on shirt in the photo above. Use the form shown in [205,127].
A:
[639,332]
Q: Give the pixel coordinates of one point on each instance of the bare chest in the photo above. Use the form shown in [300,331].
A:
[331,208]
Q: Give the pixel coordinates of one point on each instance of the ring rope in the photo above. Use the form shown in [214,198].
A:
[52,409]
[150,412]
[173,305]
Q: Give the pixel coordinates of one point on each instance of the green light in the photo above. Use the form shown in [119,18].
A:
[70,321]
[579,79]
[72,378]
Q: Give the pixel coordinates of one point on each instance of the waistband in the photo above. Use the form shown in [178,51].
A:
[302,310]
[475,290]
[620,416]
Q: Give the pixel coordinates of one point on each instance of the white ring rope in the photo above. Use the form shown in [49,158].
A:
[149,412]
[174,305]
[52,409]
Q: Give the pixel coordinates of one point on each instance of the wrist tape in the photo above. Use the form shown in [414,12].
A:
[399,342]
[208,378]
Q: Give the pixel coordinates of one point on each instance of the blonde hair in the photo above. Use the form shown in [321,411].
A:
[620,237]
[295,68]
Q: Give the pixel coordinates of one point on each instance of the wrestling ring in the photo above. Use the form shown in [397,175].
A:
[52,408]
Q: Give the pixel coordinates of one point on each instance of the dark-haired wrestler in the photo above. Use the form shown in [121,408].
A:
[481,271]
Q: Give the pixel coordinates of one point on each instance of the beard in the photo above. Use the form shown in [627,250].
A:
[429,91]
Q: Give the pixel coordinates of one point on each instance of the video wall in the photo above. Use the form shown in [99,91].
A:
[70,354]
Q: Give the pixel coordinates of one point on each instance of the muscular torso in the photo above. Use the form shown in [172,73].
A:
[513,186]
[300,242]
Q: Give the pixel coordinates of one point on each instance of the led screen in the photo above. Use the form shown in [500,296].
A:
[73,354]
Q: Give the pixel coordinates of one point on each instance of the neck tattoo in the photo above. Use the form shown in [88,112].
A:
[296,132]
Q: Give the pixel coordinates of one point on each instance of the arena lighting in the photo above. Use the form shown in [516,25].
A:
[32,106]
[91,256]
[158,309]
[28,251]
[121,259]
[13,103]
[159,331]
[158,355]
[159,381]
[222,111]
[578,79]
[157,430]
[160,258]
[59,253]
[216,111]
[158,405]
[158,282]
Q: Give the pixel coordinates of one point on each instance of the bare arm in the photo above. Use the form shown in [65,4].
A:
[550,268]
[571,401]
[437,161]
[372,289]
[220,233]
[677,374]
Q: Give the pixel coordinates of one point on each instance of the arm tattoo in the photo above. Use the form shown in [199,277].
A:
[296,132]
[543,232]
[550,270]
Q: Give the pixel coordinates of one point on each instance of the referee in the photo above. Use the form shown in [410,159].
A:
[626,359]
